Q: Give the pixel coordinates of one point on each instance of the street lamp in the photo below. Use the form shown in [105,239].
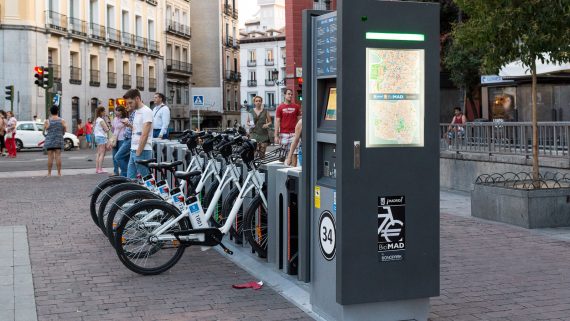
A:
[172,92]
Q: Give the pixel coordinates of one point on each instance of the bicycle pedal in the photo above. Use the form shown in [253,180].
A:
[228,251]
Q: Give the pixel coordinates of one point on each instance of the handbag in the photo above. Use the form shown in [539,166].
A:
[9,135]
[112,141]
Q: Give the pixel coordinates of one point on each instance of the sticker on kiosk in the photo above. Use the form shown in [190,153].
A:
[391,228]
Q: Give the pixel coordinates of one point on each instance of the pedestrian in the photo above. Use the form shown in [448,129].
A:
[10,136]
[259,122]
[80,132]
[456,129]
[160,117]
[89,133]
[123,154]
[118,128]
[54,127]
[2,132]
[286,118]
[100,131]
[294,157]
[36,120]
[141,141]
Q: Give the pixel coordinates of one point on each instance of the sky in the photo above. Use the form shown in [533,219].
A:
[246,10]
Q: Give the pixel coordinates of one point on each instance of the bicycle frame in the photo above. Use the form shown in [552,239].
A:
[230,175]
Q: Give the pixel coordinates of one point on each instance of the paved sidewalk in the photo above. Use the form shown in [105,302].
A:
[16,287]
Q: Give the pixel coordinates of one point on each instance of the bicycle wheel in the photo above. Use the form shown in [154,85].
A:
[229,201]
[255,226]
[112,195]
[136,248]
[216,215]
[120,206]
[97,194]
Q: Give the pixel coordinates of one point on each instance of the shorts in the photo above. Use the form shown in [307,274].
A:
[88,138]
[54,148]
[456,133]
[286,138]
[100,140]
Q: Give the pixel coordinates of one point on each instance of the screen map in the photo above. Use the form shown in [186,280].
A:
[395,97]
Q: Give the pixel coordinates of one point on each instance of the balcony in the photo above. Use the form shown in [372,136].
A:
[75,75]
[269,82]
[114,36]
[141,43]
[94,78]
[229,42]
[128,39]
[78,27]
[235,44]
[235,13]
[152,84]
[178,29]
[56,21]
[152,2]
[153,46]
[97,31]
[252,83]
[140,83]
[251,63]
[233,76]
[111,80]
[228,10]
[126,81]
[269,62]
[284,60]
[56,71]
[176,66]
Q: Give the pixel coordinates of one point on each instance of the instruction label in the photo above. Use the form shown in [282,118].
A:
[317,197]
[391,228]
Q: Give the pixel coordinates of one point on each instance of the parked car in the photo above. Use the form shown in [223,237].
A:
[30,134]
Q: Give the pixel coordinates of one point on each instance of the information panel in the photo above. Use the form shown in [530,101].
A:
[395,97]
[326,46]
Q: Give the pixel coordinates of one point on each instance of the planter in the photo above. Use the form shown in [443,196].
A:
[534,208]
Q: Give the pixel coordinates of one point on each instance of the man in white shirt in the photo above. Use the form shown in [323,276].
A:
[160,117]
[141,141]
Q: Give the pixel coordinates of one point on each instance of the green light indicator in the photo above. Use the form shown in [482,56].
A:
[395,36]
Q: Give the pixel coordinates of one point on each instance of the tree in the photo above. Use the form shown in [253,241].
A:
[510,30]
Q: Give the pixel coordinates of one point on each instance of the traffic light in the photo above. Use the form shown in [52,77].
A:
[39,75]
[10,93]
[300,90]
[47,77]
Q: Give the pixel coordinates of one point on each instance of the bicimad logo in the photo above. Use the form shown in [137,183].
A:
[382,201]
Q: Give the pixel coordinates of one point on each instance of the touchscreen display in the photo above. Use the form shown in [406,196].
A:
[330,113]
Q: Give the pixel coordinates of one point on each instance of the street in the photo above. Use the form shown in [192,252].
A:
[34,159]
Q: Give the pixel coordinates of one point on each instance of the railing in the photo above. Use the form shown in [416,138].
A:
[235,44]
[252,63]
[269,62]
[252,83]
[233,76]
[153,46]
[228,9]
[141,43]
[269,82]
[97,31]
[126,81]
[111,80]
[75,75]
[128,39]
[114,35]
[284,60]
[78,27]
[56,21]
[153,2]
[229,41]
[152,84]
[178,66]
[513,138]
[94,78]
[56,72]
[178,28]
[235,13]
[140,83]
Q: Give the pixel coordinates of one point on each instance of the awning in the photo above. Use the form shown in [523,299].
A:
[517,70]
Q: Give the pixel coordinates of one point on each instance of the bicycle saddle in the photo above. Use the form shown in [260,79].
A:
[170,166]
[186,175]
[145,162]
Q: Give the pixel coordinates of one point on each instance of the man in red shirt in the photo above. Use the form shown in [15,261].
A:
[286,118]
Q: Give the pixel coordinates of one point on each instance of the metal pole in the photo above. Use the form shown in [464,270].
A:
[199,119]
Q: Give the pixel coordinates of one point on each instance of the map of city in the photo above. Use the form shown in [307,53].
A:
[395,97]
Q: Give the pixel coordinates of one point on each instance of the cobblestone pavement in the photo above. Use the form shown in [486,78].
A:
[77,275]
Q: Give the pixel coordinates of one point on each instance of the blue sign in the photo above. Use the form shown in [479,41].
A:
[198,101]
[56,99]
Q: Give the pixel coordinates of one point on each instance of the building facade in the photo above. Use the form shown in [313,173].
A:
[215,57]
[97,49]
[178,72]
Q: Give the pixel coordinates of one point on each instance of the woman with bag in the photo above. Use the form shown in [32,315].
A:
[118,135]
[55,128]
[10,136]
[259,121]
[100,131]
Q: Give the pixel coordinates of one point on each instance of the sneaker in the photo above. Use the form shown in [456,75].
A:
[102,171]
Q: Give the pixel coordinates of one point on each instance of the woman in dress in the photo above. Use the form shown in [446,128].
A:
[100,131]
[10,136]
[259,121]
[55,128]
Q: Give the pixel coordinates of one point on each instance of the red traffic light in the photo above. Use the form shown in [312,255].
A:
[300,80]
[39,70]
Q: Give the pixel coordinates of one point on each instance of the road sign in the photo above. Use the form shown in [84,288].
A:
[56,99]
[198,101]
[327,235]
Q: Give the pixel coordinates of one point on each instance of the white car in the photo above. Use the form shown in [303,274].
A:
[29,134]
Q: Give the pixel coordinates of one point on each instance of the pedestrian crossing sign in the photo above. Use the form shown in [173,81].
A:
[198,101]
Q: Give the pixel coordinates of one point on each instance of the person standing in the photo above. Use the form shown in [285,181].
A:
[89,133]
[2,132]
[160,117]
[260,121]
[55,128]
[123,154]
[10,136]
[80,131]
[119,131]
[100,131]
[141,141]
[286,118]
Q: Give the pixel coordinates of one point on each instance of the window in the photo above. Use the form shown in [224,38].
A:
[269,54]
[125,24]
[151,29]
[251,55]
[29,127]
[110,16]
[252,75]
[270,99]
[138,26]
